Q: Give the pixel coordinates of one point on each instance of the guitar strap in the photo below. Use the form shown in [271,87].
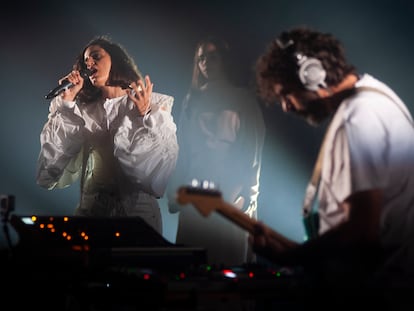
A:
[310,216]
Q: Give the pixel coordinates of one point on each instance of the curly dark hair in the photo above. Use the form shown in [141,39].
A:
[123,72]
[278,65]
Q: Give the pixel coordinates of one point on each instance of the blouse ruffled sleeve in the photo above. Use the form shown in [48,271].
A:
[61,140]
[147,147]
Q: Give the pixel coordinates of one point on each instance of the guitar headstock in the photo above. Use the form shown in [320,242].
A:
[203,195]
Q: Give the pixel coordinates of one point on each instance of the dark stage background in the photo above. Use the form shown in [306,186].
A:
[40,40]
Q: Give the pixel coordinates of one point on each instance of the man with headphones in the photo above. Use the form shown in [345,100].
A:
[361,227]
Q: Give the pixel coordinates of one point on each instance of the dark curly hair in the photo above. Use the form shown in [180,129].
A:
[278,64]
[123,71]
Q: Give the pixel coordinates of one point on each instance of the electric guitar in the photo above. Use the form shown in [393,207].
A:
[207,200]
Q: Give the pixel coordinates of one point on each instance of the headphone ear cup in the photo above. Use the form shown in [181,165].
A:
[312,74]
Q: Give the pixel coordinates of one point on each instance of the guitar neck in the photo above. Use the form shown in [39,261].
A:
[246,222]
[237,216]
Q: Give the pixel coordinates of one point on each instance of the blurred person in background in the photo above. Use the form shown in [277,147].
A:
[221,133]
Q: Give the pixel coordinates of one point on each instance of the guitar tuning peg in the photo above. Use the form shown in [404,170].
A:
[195,183]
[204,184]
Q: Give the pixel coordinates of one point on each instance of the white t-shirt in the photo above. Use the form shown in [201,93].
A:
[370,145]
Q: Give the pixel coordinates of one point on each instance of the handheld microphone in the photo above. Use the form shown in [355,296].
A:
[85,73]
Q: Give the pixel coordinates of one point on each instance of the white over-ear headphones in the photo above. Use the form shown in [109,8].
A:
[311,72]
